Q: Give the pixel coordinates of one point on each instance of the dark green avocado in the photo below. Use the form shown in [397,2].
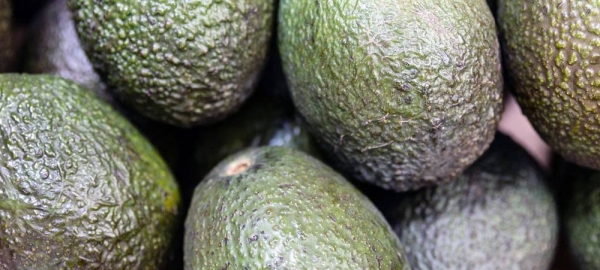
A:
[499,214]
[278,208]
[80,187]
[180,62]
[551,55]
[6,36]
[402,94]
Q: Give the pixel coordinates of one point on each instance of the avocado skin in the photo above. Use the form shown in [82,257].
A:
[499,212]
[54,48]
[182,63]
[6,39]
[402,95]
[80,188]
[551,59]
[582,216]
[287,210]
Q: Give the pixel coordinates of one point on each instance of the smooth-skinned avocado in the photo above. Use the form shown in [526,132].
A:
[499,214]
[402,94]
[278,208]
[80,187]
[6,39]
[551,57]
[180,62]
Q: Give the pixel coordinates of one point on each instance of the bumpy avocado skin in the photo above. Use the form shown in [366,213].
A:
[180,62]
[80,188]
[498,214]
[285,210]
[582,217]
[54,48]
[6,40]
[403,94]
[552,55]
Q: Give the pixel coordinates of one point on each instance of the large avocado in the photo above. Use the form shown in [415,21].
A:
[403,94]
[582,216]
[499,214]
[80,188]
[181,62]
[6,38]
[278,208]
[551,52]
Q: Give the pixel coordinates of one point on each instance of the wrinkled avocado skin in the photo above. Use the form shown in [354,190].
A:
[499,212]
[402,94]
[285,210]
[6,39]
[551,55]
[80,188]
[180,62]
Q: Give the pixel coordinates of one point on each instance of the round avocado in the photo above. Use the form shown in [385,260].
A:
[80,187]
[402,94]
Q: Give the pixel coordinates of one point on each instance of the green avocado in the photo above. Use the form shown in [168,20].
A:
[402,94]
[6,38]
[80,187]
[54,48]
[279,208]
[582,216]
[499,214]
[263,120]
[551,54]
[180,62]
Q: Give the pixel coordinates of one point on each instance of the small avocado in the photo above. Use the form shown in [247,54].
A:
[80,187]
[279,208]
[7,53]
[551,55]
[54,48]
[582,217]
[402,94]
[180,62]
[499,214]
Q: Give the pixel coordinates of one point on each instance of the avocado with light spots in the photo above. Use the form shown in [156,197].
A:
[80,187]
[181,62]
[551,54]
[499,214]
[7,53]
[278,208]
[402,94]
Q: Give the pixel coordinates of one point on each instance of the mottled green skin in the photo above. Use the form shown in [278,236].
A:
[263,120]
[403,94]
[54,48]
[498,214]
[180,62]
[582,219]
[80,188]
[287,210]
[6,39]
[552,52]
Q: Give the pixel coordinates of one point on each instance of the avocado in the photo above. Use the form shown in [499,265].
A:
[551,56]
[80,187]
[6,38]
[582,216]
[279,208]
[263,120]
[54,48]
[499,214]
[400,94]
[180,62]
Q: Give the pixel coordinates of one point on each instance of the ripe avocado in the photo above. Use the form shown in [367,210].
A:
[278,208]
[552,54]
[402,94]
[582,217]
[80,188]
[499,212]
[6,39]
[180,62]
